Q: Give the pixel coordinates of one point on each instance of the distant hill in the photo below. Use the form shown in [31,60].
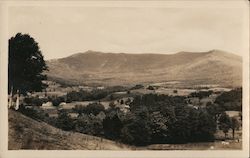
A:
[212,67]
[26,133]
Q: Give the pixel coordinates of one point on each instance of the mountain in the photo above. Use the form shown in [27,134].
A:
[212,67]
[26,133]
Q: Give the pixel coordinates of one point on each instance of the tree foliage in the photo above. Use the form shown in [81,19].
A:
[64,121]
[112,124]
[225,123]
[89,124]
[231,100]
[92,108]
[234,125]
[26,65]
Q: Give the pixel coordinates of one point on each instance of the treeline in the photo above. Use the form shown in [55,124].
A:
[152,119]
[167,119]
[201,94]
[95,94]
[231,100]
[81,95]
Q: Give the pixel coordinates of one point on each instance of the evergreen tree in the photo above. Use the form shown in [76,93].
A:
[25,67]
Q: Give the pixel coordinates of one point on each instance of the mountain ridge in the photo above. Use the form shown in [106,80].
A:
[120,68]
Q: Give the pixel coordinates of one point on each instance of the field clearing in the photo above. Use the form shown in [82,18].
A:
[170,91]
[166,91]
[218,145]
[233,113]
[71,105]
[221,136]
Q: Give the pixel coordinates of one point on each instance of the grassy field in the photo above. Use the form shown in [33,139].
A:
[217,145]
[26,133]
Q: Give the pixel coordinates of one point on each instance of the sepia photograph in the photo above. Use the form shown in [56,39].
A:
[125,76]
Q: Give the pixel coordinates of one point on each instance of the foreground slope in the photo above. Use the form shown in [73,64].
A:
[212,67]
[26,133]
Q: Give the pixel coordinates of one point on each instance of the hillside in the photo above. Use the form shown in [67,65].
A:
[212,67]
[26,133]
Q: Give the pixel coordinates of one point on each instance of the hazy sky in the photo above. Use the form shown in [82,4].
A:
[62,31]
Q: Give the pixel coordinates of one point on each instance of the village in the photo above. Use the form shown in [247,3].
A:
[120,99]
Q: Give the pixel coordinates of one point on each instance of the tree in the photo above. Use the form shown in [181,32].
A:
[240,115]
[26,65]
[214,109]
[175,91]
[94,108]
[122,102]
[235,125]
[64,121]
[230,101]
[112,124]
[224,123]
[89,124]
[57,101]
[159,127]
[206,127]
[136,129]
[180,129]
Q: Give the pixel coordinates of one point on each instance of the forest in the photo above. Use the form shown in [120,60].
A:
[152,119]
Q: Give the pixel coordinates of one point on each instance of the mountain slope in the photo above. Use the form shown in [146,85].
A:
[26,133]
[212,67]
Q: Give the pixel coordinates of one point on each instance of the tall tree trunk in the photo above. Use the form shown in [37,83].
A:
[17,100]
[233,133]
[10,98]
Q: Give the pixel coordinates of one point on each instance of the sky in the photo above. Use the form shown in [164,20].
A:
[65,30]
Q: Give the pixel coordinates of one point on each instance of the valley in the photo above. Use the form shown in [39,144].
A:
[138,102]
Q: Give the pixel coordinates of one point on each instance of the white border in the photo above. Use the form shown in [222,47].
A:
[4,5]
